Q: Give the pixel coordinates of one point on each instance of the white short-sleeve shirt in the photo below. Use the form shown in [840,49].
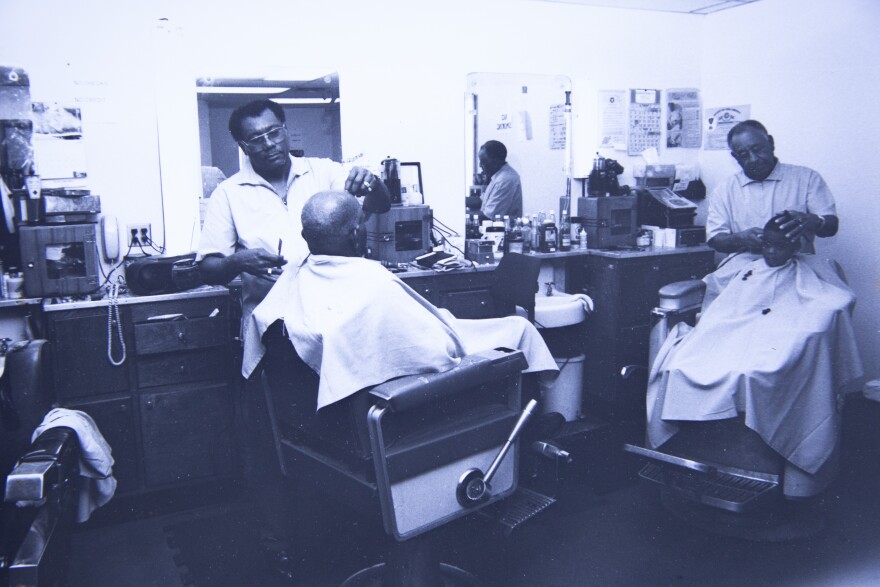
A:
[740,203]
[245,212]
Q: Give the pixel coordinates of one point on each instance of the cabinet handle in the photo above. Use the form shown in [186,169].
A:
[482,302]
[149,403]
[182,367]
[181,337]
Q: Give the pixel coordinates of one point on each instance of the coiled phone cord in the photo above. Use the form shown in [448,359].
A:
[113,311]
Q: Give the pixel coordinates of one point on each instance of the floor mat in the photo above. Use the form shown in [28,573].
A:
[223,548]
[220,549]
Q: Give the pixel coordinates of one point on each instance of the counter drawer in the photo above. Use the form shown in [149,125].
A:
[190,308]
[184,367]
[470,304]
[179,335]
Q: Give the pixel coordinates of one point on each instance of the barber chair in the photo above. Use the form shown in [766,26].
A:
[39,478]
[422,450]
[720,475]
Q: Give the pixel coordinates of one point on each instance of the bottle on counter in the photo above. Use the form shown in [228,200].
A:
[549,232]
[516,238]
[536,229]
[565,232]
[527,235]
[496,232]
[582,238]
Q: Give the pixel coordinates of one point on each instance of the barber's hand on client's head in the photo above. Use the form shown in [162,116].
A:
[796,223]
[361,182]
[259,262]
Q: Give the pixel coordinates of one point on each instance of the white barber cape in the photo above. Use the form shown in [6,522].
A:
[774,343]
[358,325]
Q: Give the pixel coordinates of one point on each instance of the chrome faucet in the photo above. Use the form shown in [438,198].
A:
[549,284]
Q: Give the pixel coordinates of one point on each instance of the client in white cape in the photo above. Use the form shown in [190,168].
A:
[775,342]
[357,324]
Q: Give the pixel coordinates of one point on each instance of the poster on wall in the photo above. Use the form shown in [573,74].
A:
[644,121]
[557,127]
[612,119]
[719,121]
[683,124]
[59,149]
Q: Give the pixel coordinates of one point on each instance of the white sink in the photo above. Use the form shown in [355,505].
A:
[560,309]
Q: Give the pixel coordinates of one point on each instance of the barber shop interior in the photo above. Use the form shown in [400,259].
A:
[465,293]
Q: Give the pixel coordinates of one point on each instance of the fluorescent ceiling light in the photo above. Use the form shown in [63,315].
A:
[238,90]
[302,101]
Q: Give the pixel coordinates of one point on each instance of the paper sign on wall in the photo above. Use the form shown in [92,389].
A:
[720,120]
[683,124]
[612,119]
[644,121]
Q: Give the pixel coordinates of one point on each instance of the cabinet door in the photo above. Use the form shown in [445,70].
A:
[79,350]
[115,419]
[468,303]
[424,286]
[188,434]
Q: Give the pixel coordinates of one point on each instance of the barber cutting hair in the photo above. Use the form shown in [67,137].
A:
[739,206]
[252,229]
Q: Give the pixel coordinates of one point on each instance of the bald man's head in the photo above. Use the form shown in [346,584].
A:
[333,225]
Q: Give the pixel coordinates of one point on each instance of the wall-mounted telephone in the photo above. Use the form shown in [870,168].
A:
[109,238]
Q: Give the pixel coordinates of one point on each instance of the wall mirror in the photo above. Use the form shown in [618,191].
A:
[311,107]
[528,113]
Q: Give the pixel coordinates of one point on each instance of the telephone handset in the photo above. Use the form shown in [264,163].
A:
[109,238]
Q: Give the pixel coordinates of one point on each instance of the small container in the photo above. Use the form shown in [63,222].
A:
[645,238]
[15,286]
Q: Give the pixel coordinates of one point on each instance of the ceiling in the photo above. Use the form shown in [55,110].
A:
[682,6]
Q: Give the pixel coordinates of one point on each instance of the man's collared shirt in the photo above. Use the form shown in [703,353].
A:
[741,203]
[245,212]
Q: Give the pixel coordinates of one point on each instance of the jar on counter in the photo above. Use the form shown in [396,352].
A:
[645,238]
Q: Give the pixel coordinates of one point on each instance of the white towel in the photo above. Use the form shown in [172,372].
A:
[97,484]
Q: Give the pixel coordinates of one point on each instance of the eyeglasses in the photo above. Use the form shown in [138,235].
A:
[258,143]
[757,151]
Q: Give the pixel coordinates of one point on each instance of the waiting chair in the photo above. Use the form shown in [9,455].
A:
[422,450]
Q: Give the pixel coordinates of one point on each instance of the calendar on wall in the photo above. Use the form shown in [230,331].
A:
[644,121]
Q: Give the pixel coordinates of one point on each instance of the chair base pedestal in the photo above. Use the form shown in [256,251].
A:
[444,576]
[779,521]
[413,562]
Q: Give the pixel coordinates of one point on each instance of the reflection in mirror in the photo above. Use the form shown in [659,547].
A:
[531,115]
[311,107]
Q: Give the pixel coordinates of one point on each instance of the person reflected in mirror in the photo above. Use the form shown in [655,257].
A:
[763,188]
[503,194]
[252,229]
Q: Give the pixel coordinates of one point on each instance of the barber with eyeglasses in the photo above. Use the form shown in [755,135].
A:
[253,229]
[765,187]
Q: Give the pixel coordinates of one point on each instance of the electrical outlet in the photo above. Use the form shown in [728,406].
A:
[139,235]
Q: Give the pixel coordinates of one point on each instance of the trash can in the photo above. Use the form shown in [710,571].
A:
[560,320]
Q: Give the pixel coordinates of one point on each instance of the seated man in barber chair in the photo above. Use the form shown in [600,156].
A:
[775,347]
[358,324]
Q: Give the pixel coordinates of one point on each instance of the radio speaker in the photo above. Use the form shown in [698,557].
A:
[160,275]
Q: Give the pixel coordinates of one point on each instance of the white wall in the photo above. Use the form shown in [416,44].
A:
[402,66]
[811,72]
